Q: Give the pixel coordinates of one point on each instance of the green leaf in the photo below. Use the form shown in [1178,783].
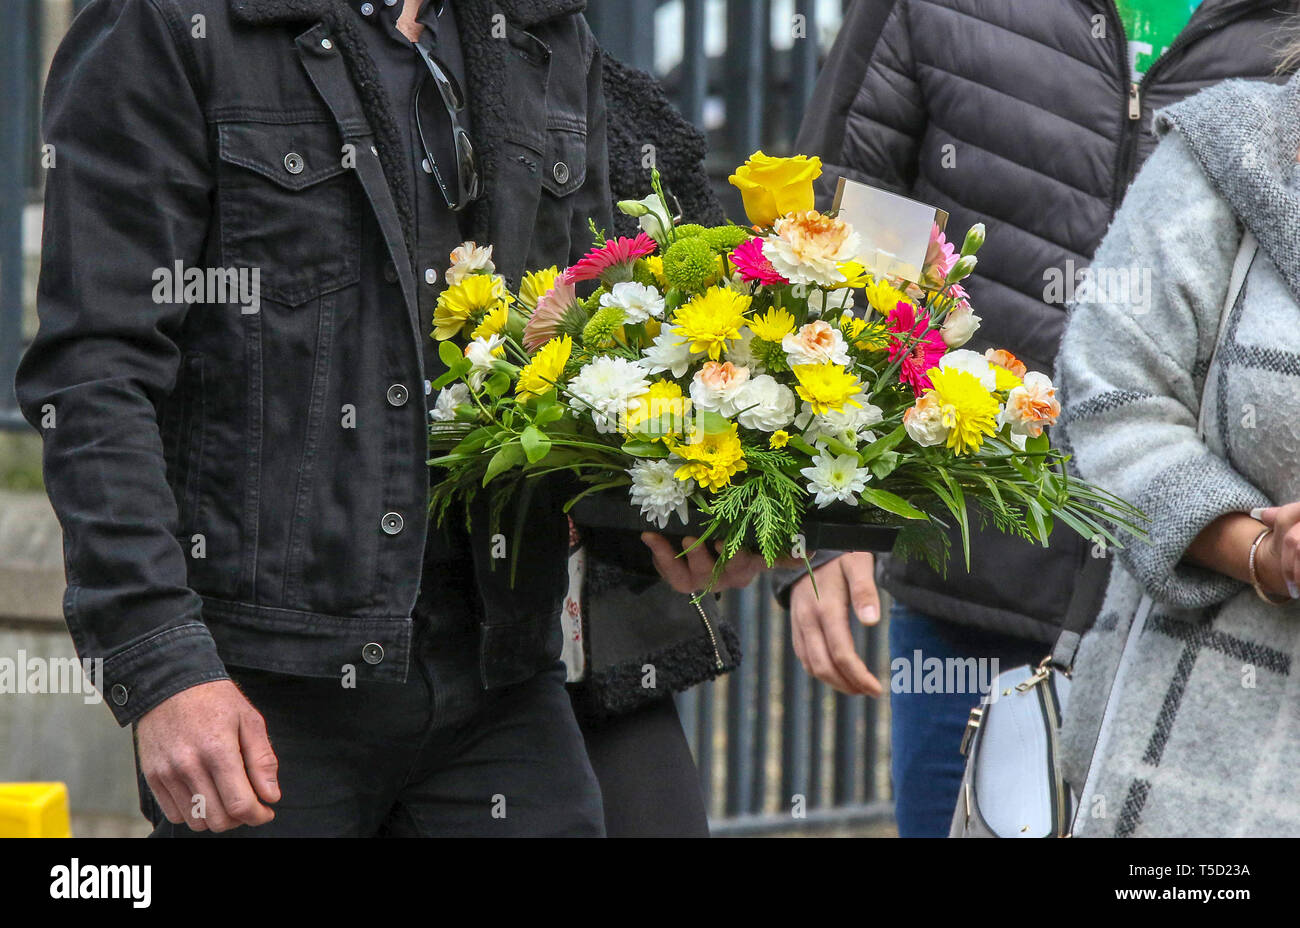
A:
[892,502]
[885,464]
[645,449]
[711,423]
[449,353]
[507,457]
[497,384]
[881,445]
[535,444]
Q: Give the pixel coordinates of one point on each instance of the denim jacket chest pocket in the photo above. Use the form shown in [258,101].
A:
[289,207]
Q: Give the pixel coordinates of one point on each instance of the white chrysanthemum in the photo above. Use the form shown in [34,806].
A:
[658,492]
[638,301]
[670,352]
[481,352]
[765,404]
[740,352]
[444,407]
[835,479]
[816,343]
[605,386]
[850,425]
[973,363]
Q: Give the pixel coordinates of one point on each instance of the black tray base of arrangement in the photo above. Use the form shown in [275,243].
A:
[838,527]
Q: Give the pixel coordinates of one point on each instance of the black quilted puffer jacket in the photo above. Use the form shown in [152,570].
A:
[1020,115]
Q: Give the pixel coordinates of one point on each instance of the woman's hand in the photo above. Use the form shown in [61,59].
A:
[690,573]
[1277,560]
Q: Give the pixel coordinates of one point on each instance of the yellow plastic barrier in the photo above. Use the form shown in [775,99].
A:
[34,810]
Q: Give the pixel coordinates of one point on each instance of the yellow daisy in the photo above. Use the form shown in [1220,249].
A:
[711,320]
[543,372]
[883,296]
[494,322]
[474,295]
[773,325]
[856,276]
[779,439]
[536,284]
[711,459]
[827,387]
[660,412]
[968,410]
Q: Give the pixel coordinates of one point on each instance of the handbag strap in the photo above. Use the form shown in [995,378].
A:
[1090,582]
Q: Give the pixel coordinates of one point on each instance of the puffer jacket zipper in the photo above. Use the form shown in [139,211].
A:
[713,639]
[1131,130]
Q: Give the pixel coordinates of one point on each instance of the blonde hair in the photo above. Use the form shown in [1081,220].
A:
[1289,53]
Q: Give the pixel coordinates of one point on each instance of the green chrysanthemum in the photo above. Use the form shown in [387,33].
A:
[690,265]
[688,230]
[725,238]
[600,330]
[642,274]
[770,355]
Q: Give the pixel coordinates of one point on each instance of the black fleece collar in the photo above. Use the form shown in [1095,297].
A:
[521,13]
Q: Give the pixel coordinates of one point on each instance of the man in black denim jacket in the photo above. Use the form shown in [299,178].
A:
[242,483]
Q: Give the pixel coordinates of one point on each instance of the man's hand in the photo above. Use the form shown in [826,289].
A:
[690,573]
[823,641]
[205,754]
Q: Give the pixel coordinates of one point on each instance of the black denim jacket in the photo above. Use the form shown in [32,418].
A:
[250,487]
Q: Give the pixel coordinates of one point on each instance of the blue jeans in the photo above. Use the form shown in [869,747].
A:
[926,727]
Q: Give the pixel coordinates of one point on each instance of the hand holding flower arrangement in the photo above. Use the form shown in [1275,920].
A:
[728,371]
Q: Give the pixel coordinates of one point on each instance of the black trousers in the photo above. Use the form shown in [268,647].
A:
[422,759]
[648,780]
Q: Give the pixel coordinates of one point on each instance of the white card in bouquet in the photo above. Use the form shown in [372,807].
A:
[894,231]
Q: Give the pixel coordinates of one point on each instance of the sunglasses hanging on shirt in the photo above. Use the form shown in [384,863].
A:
[467,182]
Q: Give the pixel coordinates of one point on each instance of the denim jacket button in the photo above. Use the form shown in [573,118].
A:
[397,395]
[293,163]
[392,523]
[119,694]
[561,172]
[372,653]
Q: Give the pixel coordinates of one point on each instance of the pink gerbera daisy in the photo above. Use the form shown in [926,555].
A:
[919,349]
[939,257]
[551,306]
[611,262]
[753,265]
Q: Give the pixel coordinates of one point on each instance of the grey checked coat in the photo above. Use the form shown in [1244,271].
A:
[1205,737]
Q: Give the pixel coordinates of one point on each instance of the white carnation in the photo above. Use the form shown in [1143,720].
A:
[764,404]
[638,301]
[959,325]
[670,352]
[835,479]
[444,407]
[974,363]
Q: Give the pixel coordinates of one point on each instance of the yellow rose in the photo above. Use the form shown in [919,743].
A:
[774,187]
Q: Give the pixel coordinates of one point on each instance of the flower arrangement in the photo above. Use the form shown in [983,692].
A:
[756,374]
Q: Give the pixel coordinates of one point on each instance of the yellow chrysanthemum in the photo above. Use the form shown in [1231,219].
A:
[864,335]
[474,295]
[536,284]
[856,276]
[827,387]
[966,409]
[660,412]
[779,439]
[494,323]
[656,265]
[712,319]
[711,459]
[773,325]
[1006,380]
[883,296]
[544,370]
